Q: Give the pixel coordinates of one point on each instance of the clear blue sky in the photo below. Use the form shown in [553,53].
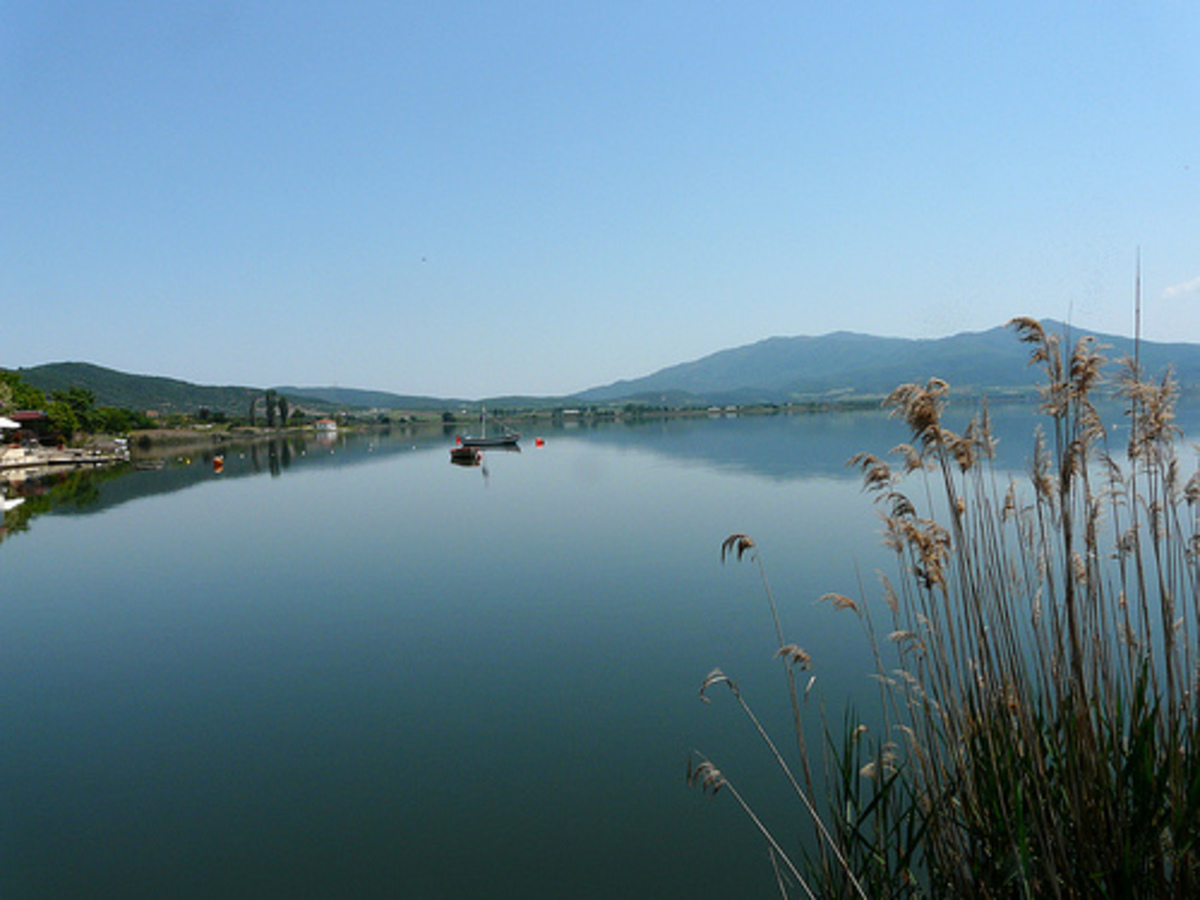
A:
[477,198]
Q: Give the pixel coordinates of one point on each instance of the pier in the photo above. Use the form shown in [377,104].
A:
[37,457]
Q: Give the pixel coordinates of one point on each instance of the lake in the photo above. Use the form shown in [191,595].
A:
[353,669]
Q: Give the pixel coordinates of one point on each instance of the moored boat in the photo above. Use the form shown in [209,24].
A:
[465,456]
[508,439]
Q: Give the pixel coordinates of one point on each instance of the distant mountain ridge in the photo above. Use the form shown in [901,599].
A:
[367,399]
[841,365]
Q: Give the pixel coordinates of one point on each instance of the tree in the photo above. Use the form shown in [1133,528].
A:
[250,414]
[283,410]
[270,408]
[112,420]
[81,402]
[140,420]
[62,419]
[22,395]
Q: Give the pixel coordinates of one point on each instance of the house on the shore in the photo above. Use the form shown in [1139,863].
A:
[25,424]
[326,426]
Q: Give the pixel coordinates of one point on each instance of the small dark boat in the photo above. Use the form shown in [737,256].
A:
[465,456]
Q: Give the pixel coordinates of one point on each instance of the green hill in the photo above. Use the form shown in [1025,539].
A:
[144,392]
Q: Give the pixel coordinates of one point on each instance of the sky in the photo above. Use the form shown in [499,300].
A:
[463,198]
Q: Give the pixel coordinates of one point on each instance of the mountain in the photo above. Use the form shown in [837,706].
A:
[356,397]
[842,365]
[144,392]
[141,392]
[783,369]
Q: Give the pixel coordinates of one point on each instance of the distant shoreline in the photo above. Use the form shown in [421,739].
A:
[157,441]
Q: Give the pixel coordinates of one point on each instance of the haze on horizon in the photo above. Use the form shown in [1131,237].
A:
[474,199]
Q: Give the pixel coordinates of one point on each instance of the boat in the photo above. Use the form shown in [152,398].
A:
[508,439]
[465,456]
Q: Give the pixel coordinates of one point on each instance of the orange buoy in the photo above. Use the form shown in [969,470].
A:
[540,442]
[218,463]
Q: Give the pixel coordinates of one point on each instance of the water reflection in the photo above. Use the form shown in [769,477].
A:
[72,490]
[366,666]
[475,457]
[31,493]
[783,447]
[363,668]
[787,446]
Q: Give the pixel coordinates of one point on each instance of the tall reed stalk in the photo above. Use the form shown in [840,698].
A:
[1040,735]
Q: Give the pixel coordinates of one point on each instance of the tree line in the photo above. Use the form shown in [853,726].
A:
[68,411]
[276,410]
[74,409]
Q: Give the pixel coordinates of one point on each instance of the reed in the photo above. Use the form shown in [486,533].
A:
[1039,734]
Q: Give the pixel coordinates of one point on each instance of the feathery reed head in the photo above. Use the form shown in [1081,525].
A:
[716,676]
[839,601]
[1086,365]
[739,543]
[876,473]
[794,655]
[921,408]
[910,454]
[1045,345]
[704,774]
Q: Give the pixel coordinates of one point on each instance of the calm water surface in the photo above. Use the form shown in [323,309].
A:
[355,670]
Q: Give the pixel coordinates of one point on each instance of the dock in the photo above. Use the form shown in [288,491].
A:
[34,457]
